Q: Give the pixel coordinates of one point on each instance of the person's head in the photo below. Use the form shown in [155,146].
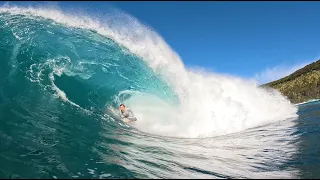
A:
[122,107]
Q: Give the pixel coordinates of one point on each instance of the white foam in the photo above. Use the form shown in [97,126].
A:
[104,175]
[59,92]
[91,171]
[211,104]
[306,102]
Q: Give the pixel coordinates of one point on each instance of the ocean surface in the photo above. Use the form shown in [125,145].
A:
[63,77]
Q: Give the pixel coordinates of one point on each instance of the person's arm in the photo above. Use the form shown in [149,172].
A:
[129,110]
[121,115]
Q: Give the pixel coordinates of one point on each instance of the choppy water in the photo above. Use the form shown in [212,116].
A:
[61,75]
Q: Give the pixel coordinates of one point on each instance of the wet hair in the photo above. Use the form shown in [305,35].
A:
[122,105]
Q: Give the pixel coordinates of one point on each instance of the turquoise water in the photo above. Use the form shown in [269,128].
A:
[56,83]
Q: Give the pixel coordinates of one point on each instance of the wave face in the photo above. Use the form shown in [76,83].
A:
[49,57]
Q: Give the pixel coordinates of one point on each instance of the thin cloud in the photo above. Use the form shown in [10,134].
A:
[278,72]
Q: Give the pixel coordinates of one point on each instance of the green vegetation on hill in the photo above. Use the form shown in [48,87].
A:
[300,86]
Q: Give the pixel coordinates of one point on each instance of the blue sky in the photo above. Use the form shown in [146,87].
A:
[263,40]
